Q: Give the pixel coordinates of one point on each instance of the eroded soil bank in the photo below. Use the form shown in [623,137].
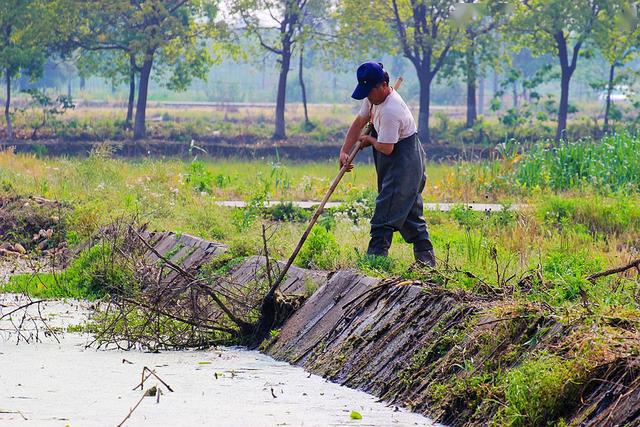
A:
[456,357]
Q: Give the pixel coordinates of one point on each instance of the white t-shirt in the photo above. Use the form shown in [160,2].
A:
[392,119]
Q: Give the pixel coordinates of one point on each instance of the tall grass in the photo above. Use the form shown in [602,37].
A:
[610,165]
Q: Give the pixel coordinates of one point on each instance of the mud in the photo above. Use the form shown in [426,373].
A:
[243,147]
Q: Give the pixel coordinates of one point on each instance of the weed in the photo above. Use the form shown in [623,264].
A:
[287,212]
[320,250]
[536,391]
[375,265]
[91,275]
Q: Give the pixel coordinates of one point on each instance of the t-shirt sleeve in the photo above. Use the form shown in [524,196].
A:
[389,131]
[365,109]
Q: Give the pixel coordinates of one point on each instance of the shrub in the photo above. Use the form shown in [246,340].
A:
[536,391]
[288,212]
[320,250]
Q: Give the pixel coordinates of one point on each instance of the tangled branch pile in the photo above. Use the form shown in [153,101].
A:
[170,296]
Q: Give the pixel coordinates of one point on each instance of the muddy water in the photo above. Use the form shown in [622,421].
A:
[51,383]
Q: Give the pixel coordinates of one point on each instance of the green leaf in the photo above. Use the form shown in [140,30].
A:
[355,415]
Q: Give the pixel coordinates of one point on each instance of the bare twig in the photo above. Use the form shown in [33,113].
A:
[616,270]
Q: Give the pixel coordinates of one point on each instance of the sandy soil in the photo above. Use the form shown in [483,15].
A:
[50,383]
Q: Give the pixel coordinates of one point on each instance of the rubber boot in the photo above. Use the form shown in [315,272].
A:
[425,258]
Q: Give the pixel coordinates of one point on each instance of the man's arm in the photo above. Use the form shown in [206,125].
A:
[384,148]
[352,136]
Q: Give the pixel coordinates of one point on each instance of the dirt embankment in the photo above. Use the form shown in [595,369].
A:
[440,353]
[245,147]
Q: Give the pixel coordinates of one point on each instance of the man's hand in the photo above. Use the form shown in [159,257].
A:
[344,157]
[366,140]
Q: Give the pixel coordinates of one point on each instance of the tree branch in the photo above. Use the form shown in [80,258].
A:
[615,270]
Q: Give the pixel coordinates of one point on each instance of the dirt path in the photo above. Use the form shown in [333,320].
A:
[442,207]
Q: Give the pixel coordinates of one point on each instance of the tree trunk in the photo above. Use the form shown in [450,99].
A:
[7,104]
[303,89]
[608,105]
[425,100]
[280,131]
[471,86]
[139,128]
[567,68]
[132,94]
[69,88]
[481,96]
[82,82]
[564,103]
[515,93]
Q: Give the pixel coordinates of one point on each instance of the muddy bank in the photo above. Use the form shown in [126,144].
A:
[440,352]
[244,147]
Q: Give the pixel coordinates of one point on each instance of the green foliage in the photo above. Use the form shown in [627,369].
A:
[92,274]
[200,178]
[565,273]
[319,251]
[537,390]
[375,265]
[288,212]
[243,218]
[47,109]
[598,215]
[611,165]
[358,206]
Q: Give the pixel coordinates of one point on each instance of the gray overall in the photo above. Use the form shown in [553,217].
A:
[401,180]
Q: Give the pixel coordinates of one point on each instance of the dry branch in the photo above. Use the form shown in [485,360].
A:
[616,270]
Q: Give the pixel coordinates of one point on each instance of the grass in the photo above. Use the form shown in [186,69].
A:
[329,124]
[610,165]
[91,275]
[538,256]
[499,248]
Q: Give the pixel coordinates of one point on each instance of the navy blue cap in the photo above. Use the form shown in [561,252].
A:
[369,75]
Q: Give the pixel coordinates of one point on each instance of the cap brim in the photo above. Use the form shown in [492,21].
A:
[361,91]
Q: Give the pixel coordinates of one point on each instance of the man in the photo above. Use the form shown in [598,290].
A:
[399,160]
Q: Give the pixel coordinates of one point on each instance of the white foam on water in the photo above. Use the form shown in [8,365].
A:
[57,384]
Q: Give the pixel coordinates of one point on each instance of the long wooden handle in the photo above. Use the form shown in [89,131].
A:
[316,215]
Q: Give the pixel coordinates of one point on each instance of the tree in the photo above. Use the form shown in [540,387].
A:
[303,90]
[617,36]
[170,34]
[480,23]
[23,43]
[280,26]
[561,28]
[117,66]
[424,31]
